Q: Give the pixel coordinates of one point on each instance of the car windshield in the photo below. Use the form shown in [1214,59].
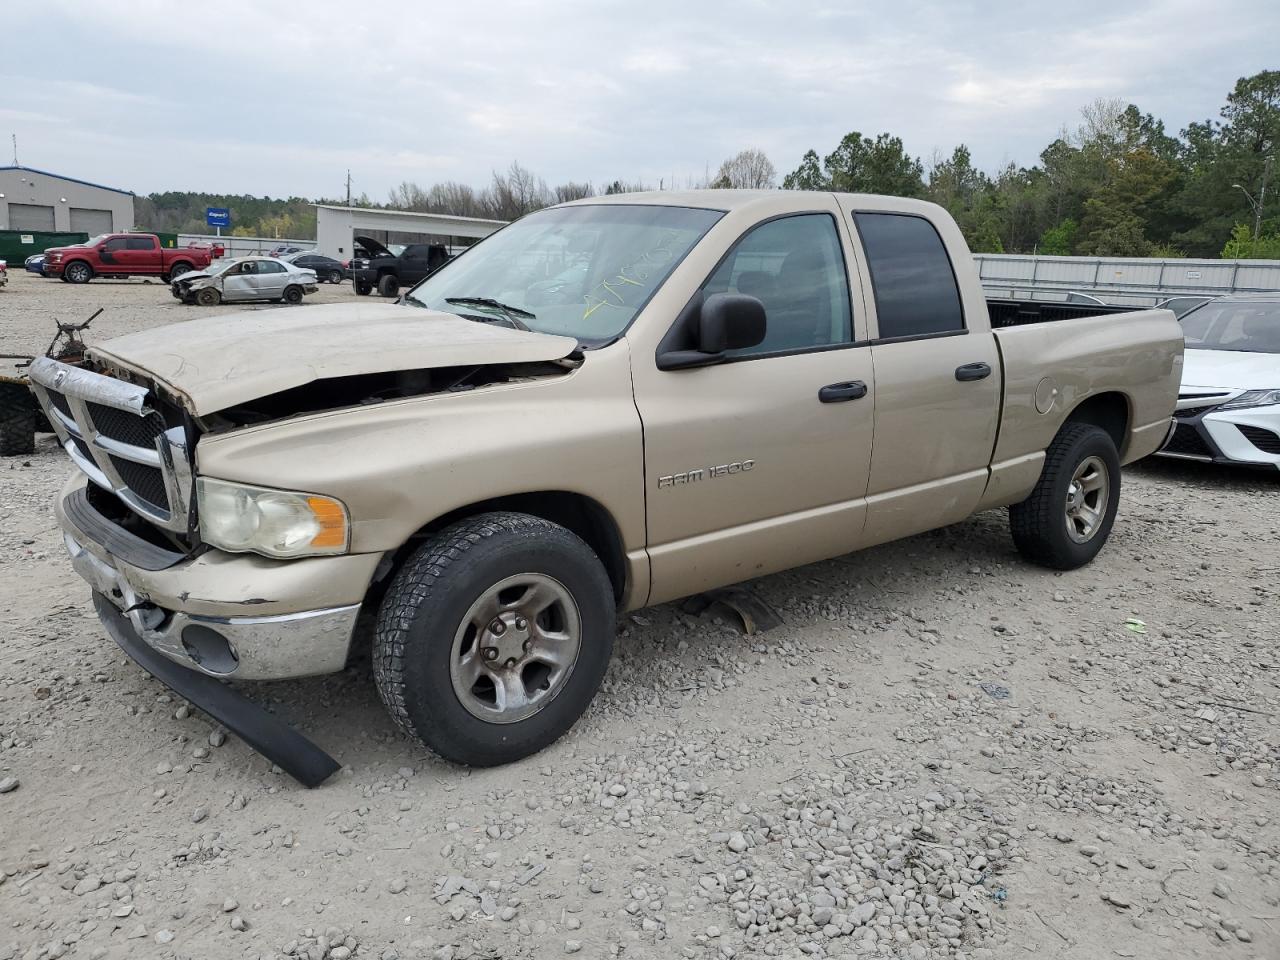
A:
[1246,326]
[222,268]
[580,271]
[94,241]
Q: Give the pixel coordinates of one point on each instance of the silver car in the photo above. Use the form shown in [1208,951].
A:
[245,278]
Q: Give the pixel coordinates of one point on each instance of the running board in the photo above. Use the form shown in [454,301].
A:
[270,736]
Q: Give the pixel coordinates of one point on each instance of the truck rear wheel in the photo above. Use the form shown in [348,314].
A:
[388,285]
[177,270]
[17,420]
[1069,515]
[494,637]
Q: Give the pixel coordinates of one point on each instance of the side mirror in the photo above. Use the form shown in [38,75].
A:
[724,321]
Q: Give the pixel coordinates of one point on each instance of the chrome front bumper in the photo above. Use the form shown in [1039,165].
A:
[206,634]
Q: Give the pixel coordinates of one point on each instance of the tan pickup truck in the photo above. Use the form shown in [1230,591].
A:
[607,404]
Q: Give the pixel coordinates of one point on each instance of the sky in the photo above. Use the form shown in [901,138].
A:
[271,99]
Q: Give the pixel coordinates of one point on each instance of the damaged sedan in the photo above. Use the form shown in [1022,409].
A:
[245,279]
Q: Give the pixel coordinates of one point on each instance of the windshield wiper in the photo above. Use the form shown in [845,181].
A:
[511,313]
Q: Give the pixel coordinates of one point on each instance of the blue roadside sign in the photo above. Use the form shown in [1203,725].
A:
[217,216]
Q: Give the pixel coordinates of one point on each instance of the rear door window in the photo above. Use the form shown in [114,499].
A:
[911,275]
[141,243]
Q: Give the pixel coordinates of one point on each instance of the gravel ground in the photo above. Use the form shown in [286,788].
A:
[943,752]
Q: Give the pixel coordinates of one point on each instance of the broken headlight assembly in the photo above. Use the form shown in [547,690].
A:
[282,524]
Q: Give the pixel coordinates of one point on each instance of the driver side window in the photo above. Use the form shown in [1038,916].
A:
[795,267]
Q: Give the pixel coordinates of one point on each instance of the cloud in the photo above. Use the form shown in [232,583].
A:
[261,98]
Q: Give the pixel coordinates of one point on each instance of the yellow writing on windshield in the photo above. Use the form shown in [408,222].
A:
[611,292]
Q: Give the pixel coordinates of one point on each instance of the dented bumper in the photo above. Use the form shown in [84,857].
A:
[237,616]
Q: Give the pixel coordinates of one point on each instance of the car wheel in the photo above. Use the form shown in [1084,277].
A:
[494,637]
[335,276]
[78,272]
[388,286]
[364,288]
[208,297]
[17,420]
[1069,515]
[177,270]
[293,295]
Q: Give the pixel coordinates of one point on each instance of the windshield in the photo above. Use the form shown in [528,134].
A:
[221,268]
[94,241]
[581,271]
[1247,326]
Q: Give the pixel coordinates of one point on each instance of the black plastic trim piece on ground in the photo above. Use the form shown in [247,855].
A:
[273,738]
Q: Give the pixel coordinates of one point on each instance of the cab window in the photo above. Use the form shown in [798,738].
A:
[794,266]
[911,275]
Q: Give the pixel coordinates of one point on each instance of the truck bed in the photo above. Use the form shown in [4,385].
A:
[1017,313]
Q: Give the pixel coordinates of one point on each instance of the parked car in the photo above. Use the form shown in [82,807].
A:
[34,264]
[245,278]
[114,255]
[494,482]
[1181,306]
[387,272]
[1229,402]
[216,249]
[282,250]
[4,272]
[325,268]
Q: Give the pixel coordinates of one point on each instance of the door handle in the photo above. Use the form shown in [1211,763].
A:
[840,392]
[973,371]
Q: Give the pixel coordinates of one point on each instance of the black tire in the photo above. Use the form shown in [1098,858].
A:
[364,288]
[207,297]
[177,270]
[77,271]
[335,276]
[293,295]
[1040,524]
[388,285]
[17,420]
[425,607]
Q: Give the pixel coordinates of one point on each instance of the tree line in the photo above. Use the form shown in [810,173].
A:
[1117,185]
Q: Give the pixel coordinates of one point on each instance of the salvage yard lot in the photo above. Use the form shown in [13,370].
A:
[943,751]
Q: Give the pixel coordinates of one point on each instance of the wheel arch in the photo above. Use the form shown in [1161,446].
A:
[576,512]
[1111,412]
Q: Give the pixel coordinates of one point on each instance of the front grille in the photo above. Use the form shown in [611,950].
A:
[59,401]
[1186,440]
[120,440]
[1264,440]
[1187,412]
[145,482]
[126,427]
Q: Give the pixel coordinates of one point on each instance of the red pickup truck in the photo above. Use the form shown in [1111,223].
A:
[123,255]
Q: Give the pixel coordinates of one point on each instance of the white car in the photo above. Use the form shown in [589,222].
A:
[245,278]
[1229,403]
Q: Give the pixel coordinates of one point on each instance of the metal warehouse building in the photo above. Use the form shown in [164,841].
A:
[41,202]
[337,226]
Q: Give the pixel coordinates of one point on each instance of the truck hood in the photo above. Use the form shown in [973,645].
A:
[212,364]
[1230,369]
[373,247]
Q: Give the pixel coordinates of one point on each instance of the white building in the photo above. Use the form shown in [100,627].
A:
[337,226]
[44,202]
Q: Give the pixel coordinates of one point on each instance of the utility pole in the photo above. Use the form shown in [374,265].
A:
[15,151]
[348,188]
[1256,204]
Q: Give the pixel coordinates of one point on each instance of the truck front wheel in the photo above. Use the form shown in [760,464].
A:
[1069,515]
[363,288]
[388,285]
[494,637]
[77,271]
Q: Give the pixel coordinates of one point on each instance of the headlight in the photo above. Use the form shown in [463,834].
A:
[1253,398]
[275,523]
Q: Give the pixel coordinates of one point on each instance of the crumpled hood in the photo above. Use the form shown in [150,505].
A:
[1230,370]
[191,275]
[218,362]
